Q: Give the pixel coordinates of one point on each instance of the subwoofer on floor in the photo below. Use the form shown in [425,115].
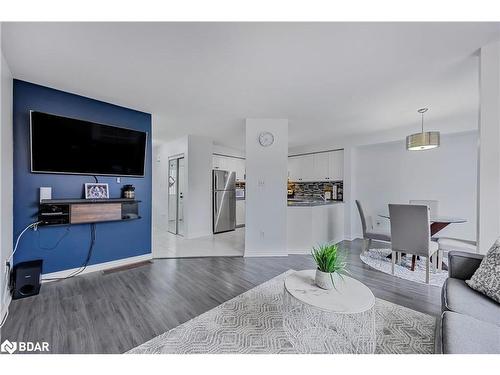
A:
[26,278]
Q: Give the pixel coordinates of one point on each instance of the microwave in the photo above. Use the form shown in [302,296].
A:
[240,193]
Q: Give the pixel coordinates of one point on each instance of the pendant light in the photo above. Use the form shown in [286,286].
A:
[424,140]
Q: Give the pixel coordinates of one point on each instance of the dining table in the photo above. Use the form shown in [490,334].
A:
[437,224]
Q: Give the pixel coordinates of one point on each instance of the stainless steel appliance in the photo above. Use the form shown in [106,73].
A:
[224,201]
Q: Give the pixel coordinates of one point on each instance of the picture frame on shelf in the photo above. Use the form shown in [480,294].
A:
[96,191]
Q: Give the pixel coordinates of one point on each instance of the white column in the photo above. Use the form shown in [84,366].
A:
[489,147]
[266,189]
[198,207]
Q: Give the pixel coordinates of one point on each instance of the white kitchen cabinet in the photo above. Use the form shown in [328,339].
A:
[239,165]
[227,163]
[240,212]
[293,168]
[321,166]
[336,165]
[216,162]
[306,168]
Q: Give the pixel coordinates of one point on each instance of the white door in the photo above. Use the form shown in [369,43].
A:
[336,165]
[321,166]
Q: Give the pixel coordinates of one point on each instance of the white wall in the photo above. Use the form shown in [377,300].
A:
[387,173]
[228,151]
[266,178]
[489,151]
[6,176]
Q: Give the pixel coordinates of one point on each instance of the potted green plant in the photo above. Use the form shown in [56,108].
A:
[331,265]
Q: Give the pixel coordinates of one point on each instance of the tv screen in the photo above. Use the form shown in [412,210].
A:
[65,145]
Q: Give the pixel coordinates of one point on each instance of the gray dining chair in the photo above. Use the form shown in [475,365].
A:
[369,233]
[432,204]
[411,233]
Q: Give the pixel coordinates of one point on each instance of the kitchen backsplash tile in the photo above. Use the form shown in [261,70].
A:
[315,189]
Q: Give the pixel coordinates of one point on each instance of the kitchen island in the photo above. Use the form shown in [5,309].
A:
[313,222]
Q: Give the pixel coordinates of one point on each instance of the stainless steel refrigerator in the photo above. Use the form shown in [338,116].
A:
[224,201]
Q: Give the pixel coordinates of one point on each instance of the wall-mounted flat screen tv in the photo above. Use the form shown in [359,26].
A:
[65,145]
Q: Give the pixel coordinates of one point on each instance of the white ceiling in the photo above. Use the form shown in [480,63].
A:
[329,79]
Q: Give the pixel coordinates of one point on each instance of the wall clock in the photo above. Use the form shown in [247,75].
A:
[266,139]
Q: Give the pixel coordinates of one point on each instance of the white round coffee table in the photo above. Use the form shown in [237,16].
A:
[340,320]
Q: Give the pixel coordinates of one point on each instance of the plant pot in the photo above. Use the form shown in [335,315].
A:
[324,279]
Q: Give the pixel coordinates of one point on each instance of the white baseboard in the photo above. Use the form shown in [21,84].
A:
[263,253]
[97,267]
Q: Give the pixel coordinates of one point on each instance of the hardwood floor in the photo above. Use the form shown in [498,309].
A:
[114,312]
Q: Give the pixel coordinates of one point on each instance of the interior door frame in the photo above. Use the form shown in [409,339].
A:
[177,192]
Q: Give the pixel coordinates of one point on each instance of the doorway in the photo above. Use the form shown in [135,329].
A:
[176,187]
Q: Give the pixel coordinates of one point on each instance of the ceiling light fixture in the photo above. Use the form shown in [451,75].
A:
[424,140]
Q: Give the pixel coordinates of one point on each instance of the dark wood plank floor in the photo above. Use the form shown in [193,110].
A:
[114,312]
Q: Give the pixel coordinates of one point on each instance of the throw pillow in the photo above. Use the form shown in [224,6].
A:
[486,279]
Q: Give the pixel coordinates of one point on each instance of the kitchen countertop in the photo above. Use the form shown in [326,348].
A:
[310,202]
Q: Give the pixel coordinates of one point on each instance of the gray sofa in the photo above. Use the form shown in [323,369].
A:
[470,321]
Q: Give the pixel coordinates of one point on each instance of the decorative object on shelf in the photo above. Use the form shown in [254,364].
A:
[331,265]
[128,192]
[266,139]
[423,140]
[96,191]
[45,193]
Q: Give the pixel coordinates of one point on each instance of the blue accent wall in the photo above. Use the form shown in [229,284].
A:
[66,247]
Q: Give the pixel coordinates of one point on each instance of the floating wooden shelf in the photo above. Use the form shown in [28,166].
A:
[85,211]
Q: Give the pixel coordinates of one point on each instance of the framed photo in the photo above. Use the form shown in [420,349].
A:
[96,191]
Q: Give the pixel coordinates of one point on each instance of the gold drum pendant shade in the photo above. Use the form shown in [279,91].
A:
[423,140]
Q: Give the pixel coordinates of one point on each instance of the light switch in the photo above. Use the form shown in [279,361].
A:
[118,180]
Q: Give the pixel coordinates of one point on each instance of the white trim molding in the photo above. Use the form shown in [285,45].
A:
[97,267]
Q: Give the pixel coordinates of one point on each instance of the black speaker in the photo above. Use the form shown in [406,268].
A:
[26,279]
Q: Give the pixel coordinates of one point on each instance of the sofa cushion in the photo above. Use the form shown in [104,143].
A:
[486,279]
[462,334]
[459,298]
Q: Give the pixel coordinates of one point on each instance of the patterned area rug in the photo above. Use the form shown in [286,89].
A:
[377,258]
[252,323]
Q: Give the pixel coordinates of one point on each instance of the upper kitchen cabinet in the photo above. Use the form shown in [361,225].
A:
[300,168]
[227,163]
[321,169]
[336,165]
[293,168]
[321,166]
[239,168]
